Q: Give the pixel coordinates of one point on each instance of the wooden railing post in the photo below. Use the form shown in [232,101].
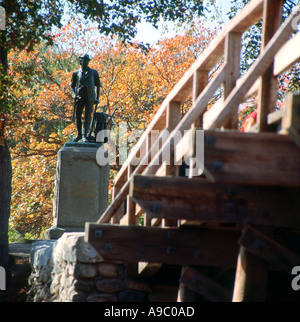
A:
[200,81]
[130,203]
[232,60]
[173,118]
[268,82]
[120,212]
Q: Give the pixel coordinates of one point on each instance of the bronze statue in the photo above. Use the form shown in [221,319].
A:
[83,86]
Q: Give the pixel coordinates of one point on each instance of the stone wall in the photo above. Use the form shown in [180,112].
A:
[70,270]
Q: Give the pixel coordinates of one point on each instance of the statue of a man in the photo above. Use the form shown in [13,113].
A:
[83,86]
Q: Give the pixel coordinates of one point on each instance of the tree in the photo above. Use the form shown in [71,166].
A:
[135,80]
[26,24]
[29,22]
[121,17]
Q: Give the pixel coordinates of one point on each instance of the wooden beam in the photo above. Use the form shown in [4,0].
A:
[232,60]
[131,209]
[291,118]
[268,249]
[287,56]
[204,285]
[248,158]
[196,199]
[173,118]
[121,210]
[184,246]
[268,82]
[200,81]
[251,278]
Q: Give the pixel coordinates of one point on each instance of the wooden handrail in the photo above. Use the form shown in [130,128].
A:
[219,115]
[258,68]
[250,15]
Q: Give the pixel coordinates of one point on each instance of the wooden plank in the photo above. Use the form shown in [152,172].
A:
[253,89]
[275,117]
[173,118]
[249,158]
[196,199]
[131,209]
[287,56]
[268,249]
[291,118]
[251,278]
[200,81]
[232,60]
[184,246]
[121,210]
[258,68]
[267,96]
[205,286]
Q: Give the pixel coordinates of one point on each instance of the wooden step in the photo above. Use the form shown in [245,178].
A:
[248,158]
[197,199]
[175,246]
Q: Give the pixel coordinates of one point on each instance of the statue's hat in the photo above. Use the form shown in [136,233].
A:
[85,57]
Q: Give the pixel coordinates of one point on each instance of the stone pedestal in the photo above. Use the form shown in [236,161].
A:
[81,189]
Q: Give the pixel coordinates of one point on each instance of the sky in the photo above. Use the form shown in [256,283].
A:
[148,34]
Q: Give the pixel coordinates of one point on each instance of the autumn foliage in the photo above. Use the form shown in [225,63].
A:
[40,123]
[134,79]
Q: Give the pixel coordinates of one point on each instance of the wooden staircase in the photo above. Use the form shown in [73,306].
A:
[242,211]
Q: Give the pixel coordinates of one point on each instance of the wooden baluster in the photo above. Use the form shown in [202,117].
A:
[120,212]
[173,118]
[291,119]
[232,60]
[200,81]
[267,96]
[130,203]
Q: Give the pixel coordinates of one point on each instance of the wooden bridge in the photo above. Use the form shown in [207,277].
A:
[241,211]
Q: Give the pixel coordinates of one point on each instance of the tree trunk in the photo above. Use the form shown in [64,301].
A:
[5,198]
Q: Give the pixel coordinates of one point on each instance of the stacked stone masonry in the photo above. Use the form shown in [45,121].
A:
[70,270]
